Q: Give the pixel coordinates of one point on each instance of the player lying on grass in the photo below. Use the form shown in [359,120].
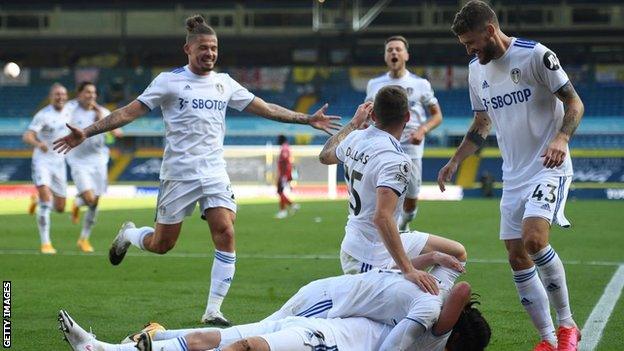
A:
[378,173]
[460,327]
[383,296]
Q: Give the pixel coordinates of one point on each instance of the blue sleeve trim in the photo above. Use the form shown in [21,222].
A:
[144,104]
[561,86]
[249,103]
[398,193]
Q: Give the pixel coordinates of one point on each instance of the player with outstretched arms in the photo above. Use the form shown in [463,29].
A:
[48,167]
[193,100]
[88,161]
[377,173]
[518,85]
[421,101]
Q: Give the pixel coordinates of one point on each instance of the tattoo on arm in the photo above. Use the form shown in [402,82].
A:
[573,107]
[284,115]
[332,143]
[115,120]
[478,132]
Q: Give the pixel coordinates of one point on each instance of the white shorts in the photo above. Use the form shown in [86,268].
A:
[413,188]
[177,198]
[90,176]
[543,197]
[51,175]
[311,334]
[413,243]
[288,334]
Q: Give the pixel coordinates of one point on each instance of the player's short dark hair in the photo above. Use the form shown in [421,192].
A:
[471,332]
[281,139]
[399,38]
[390,105]
[83,85]
[195,26]
[474,16]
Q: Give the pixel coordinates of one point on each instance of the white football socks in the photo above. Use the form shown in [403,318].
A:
[178,333]
[136,235]
[552,274]
[535,301]
[223,267]
[43,221]
[177,344]
[88,222]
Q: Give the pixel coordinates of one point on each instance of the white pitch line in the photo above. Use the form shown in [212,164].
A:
[597,320]
[274,257]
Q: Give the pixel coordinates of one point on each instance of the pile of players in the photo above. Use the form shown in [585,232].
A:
[386,300]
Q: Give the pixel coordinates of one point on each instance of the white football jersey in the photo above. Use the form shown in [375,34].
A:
[93,150]
[517,91]
[372,158]
[431,342]
[382,295]
[193,109]
[49,125]
[419,95]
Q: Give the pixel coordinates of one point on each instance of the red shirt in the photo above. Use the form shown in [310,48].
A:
[284,166]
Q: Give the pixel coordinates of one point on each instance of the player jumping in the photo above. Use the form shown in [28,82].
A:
[193,100]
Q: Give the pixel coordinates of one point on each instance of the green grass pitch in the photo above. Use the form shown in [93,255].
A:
[275,258]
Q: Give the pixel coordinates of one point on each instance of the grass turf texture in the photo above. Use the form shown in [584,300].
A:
[275,259]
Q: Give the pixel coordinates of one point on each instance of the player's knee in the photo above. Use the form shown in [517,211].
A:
[534,243]
[60,208]
[202,340]
[460,252]
[224,234]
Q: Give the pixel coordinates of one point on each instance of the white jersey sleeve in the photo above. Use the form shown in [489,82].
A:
[432,342]
[428,97]
[38,122]
[547,70]
[475,101]
[156,93]
[395,173]
[241,97]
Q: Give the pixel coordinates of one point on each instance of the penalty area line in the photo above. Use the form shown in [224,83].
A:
[599,317]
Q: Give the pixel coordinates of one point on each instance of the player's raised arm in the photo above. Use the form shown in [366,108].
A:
[573,112]
[474,139]
[387,201]
[328,154]
[318,120]
[116,119]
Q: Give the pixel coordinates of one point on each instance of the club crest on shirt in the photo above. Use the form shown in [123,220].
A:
[409,91]
[515,75]
[219,87]
[404,167]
